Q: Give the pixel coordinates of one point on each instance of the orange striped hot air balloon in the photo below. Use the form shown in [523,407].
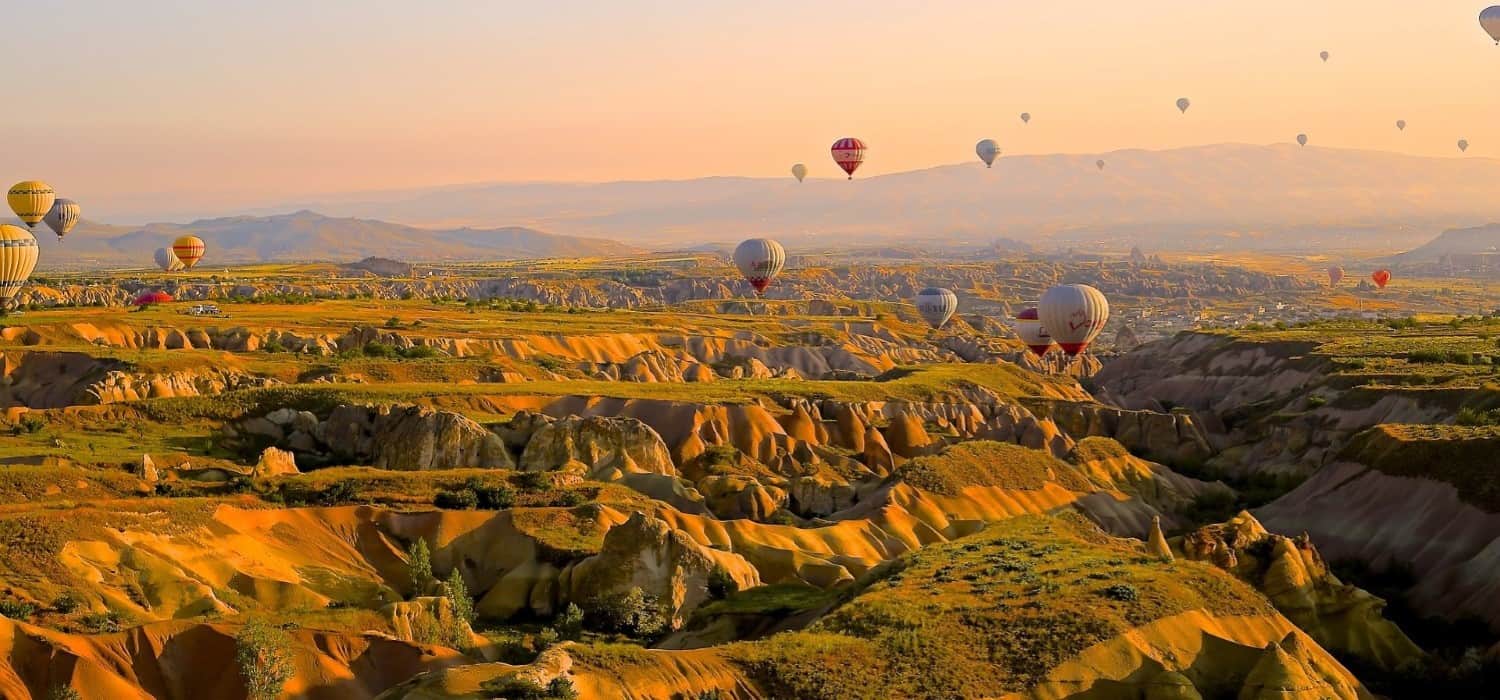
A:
[188,249]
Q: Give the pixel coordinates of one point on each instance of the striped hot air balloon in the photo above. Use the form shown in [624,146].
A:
[188,249]
[1073,314]
[18,254]
[848,153]
[30,200]
[760,260]
[936,305]
[63,217]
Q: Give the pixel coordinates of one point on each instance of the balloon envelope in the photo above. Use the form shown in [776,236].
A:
[30,200]
[1335,275]
[1323,55]
[1029,328]
[1401,124]
[188,249]
[1183,103]
[63,216]
[1489,19]
[1100,164]
[1381,277]
[936,305]
[1026,117]
[848,153]
[799,171]
[18,254]
[149,298]
[759,260]
[987,150]
[1301,139]
[1073,315]
[167,260]
[1463,145]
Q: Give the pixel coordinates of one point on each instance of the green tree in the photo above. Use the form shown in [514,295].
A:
[457,634]
[264,654]
[569,623]
[419,566]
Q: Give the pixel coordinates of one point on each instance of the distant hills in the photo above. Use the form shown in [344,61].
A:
[306,235]
[1459,242]
[1229,196]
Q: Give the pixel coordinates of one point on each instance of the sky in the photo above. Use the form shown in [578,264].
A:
[152,109]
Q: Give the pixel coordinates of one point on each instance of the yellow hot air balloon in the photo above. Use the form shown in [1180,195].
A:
[31,200]
[188,249]
[18,253]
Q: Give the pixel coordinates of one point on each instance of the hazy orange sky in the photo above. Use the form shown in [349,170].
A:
[124,106]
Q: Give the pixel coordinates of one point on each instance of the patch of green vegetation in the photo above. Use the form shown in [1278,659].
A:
[994,464]
[776,600]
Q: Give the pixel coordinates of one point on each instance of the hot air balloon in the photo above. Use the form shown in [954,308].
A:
[188,249]
[1490,20]
[153,297]
[848,153]
[799,171]
[1026,117]
[1381,277]
[63,216]
[1029,328]
[760,260]
[1401,124]
[1183,103]
[1301,139]
[1073,315]
[17,259]
[1463,145]
[1335,275]
[1099,163]
[987,150]
[936,305]
[167,260]
[1323,55]
[30,200]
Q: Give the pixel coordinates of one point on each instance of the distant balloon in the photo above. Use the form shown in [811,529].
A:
[936,305]
[848,153]
[167,260]
[1381,277]
[1324,55]
[153,297]
[1099,163]
[1183,103]
[799,171]
[1335,275]
[1026,117]
[987,150]
[18,253]
[1073,315]
[1401,124]
[1301,139]
[1029,328]
[30,200]
[1490,20]
[63,216]
[1463,145]
[188,249]
[759,260]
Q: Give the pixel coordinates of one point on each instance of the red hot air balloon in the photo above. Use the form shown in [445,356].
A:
[848,153]
[149,298]
[1029,327]
[1381,277]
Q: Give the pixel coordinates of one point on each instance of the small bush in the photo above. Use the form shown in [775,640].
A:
[570,499]
[462,499]
[569,623]
[535,481]
[393,322]
[498,497]
[264,655]
[517,688]
[100,623]
[721,583]
[32,424]
[634,613]
[1123,592]
[63,692]
[17,609]
[65,603]
[378,349]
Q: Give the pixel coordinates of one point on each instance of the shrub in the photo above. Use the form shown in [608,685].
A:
[32,424]
[721,583]
[569,623]
[100,623]
[65,603]
[546,638]
[517,688]
[17,609]
[498,497]
[535,481]
[1123,592]
[376,348]
[418,352]
[419,566]
[457,634]
[462,499]
[264,655]
[634,613]
[393,322]
[1316,401]
[570,499]
[63,692]
[1477,417]
[341,491]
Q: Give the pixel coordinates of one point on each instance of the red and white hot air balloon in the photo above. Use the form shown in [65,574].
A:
[1381,277]
[848,153]
[1029,328]
[759,260]
[1335,275]
[1073,315]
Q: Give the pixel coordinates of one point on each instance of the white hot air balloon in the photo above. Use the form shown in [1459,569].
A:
[1301,139]
[1489,19]
[167,260]
[1463,145]
[760,260]
[936,305]
[1029,329]
[799,171]
[63,216]
[1073,315]
[1401,125]
[987,150]
[1183,103]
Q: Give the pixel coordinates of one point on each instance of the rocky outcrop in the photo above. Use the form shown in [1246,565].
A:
[389,437]
[602,449]
[1173,438]
[274,462]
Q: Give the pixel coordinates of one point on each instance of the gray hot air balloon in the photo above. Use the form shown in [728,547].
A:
[167,260]
[1323,55]
[1301,139]
[987,150]
[1026,117]
[799,171]
[1463,145]
[760,260]
[1490,20]
[1183,103]
[1401,124]
[936,305]
[1099,163]
[63,216]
